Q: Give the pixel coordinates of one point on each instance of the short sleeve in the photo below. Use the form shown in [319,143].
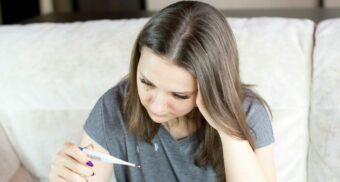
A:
[94,125]
[260,124]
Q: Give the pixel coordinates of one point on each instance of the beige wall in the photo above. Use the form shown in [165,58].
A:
[155,5]
[332,3]
[46,6]
[50,6]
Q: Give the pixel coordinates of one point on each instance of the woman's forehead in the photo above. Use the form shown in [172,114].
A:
[163,72]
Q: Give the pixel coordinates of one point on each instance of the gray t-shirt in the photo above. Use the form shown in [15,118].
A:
[166,159]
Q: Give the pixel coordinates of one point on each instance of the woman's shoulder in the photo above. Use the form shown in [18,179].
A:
[108,109]
[258,118]
[117,92]
[106,120]
[250,99]
[106,117]
[254,105]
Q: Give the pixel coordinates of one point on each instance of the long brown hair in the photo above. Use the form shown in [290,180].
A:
[196,37]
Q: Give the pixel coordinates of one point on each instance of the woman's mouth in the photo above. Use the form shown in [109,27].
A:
[157,115]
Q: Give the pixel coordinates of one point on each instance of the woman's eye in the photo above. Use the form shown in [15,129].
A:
[150,85]
[181,96]
[145,82]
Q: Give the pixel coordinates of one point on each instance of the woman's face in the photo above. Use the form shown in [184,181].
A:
[165,90]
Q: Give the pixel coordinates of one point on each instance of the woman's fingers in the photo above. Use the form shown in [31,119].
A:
[56,178]
[68,174]
[89,146]
[75,166]
[60,179]
[198,97]
[70,164]
[74,152]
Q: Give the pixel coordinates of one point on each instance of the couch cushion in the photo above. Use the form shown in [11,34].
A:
[52,74]
[324,150]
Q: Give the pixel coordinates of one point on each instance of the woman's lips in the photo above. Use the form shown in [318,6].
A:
[157,115]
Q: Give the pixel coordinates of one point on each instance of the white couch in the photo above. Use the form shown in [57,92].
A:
[52,74]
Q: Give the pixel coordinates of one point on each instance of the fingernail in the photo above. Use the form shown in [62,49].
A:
[89,163]
[92,174]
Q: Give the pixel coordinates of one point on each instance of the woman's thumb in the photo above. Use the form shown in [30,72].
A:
[89,146]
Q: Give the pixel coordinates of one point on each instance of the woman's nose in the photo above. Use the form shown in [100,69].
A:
[159,104]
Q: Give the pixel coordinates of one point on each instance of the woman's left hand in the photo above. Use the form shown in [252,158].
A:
[201,106]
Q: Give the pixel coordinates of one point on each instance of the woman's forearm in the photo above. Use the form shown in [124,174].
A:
[240,161]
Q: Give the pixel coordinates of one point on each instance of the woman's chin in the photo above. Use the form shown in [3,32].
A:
[159,119]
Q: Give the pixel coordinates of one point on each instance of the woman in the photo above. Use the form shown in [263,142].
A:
[182,112]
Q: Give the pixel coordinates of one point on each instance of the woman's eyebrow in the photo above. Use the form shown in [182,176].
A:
[187,92]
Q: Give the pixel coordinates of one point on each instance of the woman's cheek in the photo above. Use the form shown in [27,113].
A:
[183,108]
[144,96]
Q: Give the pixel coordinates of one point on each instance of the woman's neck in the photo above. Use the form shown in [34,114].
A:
[180,127]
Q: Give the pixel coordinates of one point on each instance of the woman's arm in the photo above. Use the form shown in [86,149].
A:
[243,164]
[265,156]
[240,161]
[102,171]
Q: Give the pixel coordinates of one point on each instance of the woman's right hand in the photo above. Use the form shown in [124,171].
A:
[70,164]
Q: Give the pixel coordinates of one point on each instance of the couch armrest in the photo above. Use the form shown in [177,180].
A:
[10,163]
[22,175]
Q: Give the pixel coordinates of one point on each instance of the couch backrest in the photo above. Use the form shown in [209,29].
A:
[52,75]
[324,150]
